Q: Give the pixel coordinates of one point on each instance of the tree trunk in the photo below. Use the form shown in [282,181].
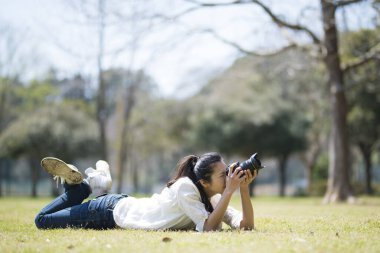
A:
[368,168]
[1,176]
[102,119]
[310,159]
[35,172]
[126,104]
[338,186]
[282,174]
[366,153]
[8,176]
[101,110]
[121,157]
[135,177]
[3,99]
[309,173]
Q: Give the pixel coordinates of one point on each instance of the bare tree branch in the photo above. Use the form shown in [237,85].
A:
[280,22]
[372,54]
[342,3]
[283,23]
[291,44]
[197,6]
[248,52]
[218,4]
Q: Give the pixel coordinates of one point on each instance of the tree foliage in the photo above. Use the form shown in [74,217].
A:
[364,88]
[223,131]
[56,130]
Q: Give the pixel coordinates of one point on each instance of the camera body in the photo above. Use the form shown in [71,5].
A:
[252,164]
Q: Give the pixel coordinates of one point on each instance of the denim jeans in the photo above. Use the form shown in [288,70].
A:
[67,210]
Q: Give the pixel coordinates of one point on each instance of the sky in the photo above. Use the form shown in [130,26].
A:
[57,33]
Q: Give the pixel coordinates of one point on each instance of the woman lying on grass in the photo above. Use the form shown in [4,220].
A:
[196,198]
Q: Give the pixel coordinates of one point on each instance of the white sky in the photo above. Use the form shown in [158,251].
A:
[57,35]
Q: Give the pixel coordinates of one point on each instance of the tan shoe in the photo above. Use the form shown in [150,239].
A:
[62,171]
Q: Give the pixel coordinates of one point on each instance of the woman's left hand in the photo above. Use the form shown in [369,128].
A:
[248,178]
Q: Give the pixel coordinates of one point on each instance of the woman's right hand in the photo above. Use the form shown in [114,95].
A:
[234,178]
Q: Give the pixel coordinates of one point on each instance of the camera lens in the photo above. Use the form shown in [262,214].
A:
[252,164]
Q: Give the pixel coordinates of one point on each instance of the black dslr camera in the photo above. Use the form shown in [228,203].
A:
[252,164]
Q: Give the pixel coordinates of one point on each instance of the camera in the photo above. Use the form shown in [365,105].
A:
[252,164]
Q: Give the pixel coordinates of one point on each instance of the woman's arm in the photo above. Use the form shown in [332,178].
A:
[216,217]
[233,180]
[247,222]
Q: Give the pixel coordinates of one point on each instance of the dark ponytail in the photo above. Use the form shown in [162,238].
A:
[185,168]
[197,168]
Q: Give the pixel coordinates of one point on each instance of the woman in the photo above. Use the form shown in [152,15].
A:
[196,198]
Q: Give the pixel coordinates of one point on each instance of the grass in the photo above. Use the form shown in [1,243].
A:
[282,225]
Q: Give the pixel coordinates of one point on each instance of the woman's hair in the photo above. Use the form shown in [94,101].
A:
[197,168]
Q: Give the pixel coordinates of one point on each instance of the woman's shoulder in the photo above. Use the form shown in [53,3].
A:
[185,189]
[185,184]
[184,180]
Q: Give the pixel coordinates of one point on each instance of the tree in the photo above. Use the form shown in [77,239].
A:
[262,88]
[96,15]
[230,134]
[101,114]
[286,135]
[7,113]
[59,131]
[364,92]
[339,187]
[299,82]
[156,138]
[126,86]
[19,100]
[24,99]
[112,18]
[12,62]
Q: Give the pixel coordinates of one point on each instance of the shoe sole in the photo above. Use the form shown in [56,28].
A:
[57,167]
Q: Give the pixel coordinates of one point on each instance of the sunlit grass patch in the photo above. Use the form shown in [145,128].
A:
[290,225]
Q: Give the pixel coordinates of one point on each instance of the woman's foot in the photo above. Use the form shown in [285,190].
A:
[62,171]
[99,179]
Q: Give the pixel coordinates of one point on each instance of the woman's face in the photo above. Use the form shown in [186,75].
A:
[218,180]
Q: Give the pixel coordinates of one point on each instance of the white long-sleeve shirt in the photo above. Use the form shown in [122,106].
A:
[176,207]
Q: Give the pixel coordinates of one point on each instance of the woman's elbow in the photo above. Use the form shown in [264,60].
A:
[207,227]
[247,226]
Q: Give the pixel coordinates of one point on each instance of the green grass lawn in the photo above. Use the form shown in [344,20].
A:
[282,225]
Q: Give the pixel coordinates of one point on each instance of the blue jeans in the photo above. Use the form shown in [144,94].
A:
[67,210]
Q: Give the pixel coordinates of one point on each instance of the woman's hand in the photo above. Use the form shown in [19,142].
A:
[248,178]
[234,178]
